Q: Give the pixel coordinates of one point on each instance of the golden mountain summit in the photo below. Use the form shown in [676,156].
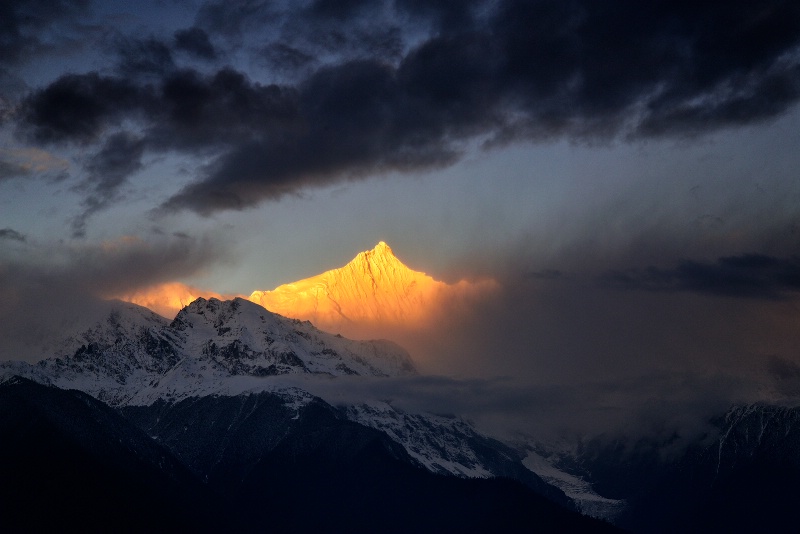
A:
[374,287]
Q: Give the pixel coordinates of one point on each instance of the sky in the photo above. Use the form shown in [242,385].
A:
[627,171]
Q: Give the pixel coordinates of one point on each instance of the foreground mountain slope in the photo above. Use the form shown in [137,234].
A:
[368,486]
[300,465]
[200,377]
[69,462]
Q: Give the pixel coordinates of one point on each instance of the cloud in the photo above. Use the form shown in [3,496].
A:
[747,276]
[143,57]
[10,170]
[287,58]
[562,357]
[12,235]
[108,171]
[169,298]
[404,86]
[236,17]
[196,42]
[46,288]
[24,25]
[79,107]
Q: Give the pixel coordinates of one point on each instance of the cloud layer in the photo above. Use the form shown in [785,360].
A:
[355,89]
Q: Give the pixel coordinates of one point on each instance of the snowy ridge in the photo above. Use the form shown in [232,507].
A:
[212,347]
[749,430]
[236,348]
[442,444]
[587,500]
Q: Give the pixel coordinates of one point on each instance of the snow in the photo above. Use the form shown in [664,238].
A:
[576,488]
[134,357]
[441,444]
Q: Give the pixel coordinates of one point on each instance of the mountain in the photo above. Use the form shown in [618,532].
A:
[200,421]
[218,354]
[374,286]
[134,356]
[212,419]
[741,476]
[70,463]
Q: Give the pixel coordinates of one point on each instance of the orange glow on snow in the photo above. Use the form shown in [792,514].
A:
[373,296]
[372,292]
[168,299]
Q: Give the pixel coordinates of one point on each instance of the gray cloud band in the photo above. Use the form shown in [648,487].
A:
[496,72]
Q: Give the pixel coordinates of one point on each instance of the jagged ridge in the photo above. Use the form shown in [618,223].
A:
[212,346]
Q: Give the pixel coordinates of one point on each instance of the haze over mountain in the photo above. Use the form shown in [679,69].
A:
[233,404]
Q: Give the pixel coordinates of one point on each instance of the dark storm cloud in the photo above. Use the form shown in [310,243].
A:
[195,41]
[446,15]
[748,275]
[371,93]
[120,157]
[11,86]
[108,171]
[234,17]
[24,24]
[11,234]
[144,57]
[287,58]
[341,10]
[79,107]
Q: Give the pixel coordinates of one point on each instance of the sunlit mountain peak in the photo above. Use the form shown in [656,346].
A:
[373,291]
[382,249]
[373,286]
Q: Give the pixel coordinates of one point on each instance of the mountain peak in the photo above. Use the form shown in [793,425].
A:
[373,286]
[381,257]
[382,249]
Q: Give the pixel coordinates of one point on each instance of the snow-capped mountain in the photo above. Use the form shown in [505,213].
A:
[211,347]
[374,290]
[244,463]
[215,350]
[227,390]
[741,475]
[373,286]
[576,487]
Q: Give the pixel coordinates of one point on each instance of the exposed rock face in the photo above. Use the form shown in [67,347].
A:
[374,287]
